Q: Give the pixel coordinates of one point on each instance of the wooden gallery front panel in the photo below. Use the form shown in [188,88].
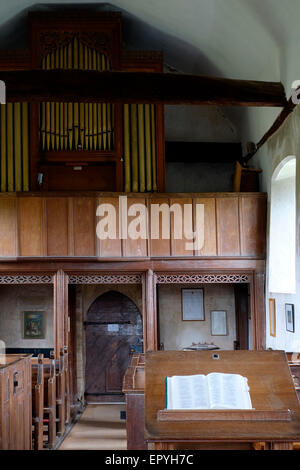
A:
[54,237]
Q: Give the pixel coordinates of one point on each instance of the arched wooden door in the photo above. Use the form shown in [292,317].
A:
[113,324]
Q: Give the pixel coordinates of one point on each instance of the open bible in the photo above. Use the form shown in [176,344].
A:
[212,391]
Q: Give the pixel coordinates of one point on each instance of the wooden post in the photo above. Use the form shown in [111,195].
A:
[151,313]
[259,321]
[60,311]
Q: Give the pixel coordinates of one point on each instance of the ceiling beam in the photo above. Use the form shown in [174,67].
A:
[138,87]
[287,110]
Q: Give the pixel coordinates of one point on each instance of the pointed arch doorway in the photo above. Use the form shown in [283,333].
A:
[113,324]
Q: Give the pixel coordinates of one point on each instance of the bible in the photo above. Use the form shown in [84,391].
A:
[213,391]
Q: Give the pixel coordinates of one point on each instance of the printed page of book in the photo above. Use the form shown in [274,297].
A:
[228,391]
[187,392]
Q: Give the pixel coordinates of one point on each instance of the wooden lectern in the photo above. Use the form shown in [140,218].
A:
[274,422]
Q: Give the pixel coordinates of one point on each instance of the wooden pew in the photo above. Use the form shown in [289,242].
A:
[67,386]
[61,391]
[38,402]
[134,389]
[50,399]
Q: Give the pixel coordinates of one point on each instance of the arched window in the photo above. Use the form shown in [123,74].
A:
[282,253]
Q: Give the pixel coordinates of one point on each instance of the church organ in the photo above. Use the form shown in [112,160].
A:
[81,146]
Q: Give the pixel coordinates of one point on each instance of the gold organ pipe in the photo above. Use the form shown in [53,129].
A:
[86,106]
[95,117]
[70,105]
[48,110]
[104,116]
[134,148]
[148,147]
[72,126]
[25,146]
[99,106]
[141,147]
[76,105]
[52,107]
[57,106]
[17,146]
[10,146]
[43,115]
[153,133]
[81,105]
[127,183]
[91,126]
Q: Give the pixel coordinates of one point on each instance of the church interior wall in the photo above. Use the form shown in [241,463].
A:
[176,334]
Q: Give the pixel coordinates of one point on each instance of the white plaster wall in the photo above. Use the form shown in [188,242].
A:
[16,299]
[268,158]
[282,236]
[176,334]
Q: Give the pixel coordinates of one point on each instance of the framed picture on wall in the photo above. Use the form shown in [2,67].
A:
[192,301]
[290,317]
[33,325]
[218,320]
[272,317]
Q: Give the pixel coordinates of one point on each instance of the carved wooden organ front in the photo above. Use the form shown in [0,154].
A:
[81,146]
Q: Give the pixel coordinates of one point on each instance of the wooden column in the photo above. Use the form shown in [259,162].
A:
[258,311]
[151,313]
[60,311]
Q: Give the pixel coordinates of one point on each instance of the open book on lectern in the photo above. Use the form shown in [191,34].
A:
[212,391]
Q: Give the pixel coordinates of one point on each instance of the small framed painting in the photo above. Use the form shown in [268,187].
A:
[290,318]
[218,320]
[272,317]
[192,304]
[33,325]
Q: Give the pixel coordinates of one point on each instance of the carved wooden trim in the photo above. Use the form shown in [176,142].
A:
[105,279]
[202,278]
[26,279]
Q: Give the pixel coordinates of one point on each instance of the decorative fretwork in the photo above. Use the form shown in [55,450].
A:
[26,279]
[202,278]
[105,279]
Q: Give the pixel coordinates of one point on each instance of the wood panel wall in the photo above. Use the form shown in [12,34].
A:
[65,226]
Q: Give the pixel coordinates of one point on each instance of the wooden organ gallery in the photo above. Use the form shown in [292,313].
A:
[71,297]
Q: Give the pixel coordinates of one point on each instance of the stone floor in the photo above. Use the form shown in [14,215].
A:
[99,428]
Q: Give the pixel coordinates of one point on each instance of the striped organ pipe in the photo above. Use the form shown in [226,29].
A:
[14,147]
[73,126]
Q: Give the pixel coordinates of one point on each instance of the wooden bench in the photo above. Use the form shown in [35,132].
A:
[38,402]
[51,401]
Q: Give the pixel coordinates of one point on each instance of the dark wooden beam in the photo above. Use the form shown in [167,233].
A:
[138,87]
[287,110]
[207,152]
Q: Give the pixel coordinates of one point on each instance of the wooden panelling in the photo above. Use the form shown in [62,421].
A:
[8,229]
[210,234]
[159,246]
[133,247]
[84,213]
[109,247]
[253,226]
[32,227]
[179,243]
[228,236]
[57,226]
